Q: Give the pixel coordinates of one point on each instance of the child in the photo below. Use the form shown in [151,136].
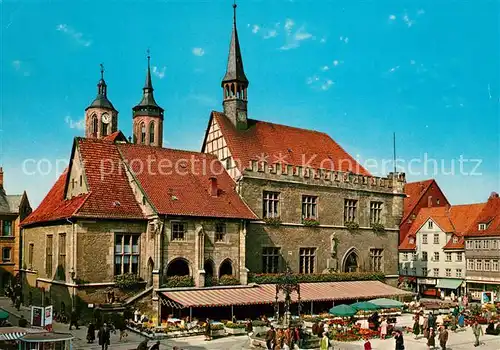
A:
[368,345]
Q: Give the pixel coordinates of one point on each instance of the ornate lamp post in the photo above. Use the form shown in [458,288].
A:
[287,284]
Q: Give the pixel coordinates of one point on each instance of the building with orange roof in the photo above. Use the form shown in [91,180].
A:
[482,249]
[432,254]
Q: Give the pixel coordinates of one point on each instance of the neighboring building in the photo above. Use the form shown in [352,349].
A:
[123,208]
[432,254]
[13,209]
[295,178]
[420,194]
[482,249]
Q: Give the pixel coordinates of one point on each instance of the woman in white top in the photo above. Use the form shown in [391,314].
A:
[383,329]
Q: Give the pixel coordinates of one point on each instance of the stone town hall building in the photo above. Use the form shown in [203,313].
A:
[290,197]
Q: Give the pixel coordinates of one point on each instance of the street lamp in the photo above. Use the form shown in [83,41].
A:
[287,284]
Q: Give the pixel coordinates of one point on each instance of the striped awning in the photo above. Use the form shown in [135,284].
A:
[266,293]
[11,336]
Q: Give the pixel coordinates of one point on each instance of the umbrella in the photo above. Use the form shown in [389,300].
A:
[343,310]
[365,306]
[3,314]
[385,303]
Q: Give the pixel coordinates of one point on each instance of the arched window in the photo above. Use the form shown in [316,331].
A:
[104,128]
[95,125]
[143,133]
[151,133]
[178,267]
[226,268]
[351,261]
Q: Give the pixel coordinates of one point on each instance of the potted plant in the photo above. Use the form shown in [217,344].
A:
[234,328]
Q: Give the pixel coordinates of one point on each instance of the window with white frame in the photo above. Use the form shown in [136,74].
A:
[494,265]
[477,244]
[7,228]
[424,256]
[435,272]
[270,259]
[447,272]
[307,260]
[220,232]
[425,272]
[486,244]
[468,244]
[455,239]
[309,209]
[376,259]
[350,208]
[494,244]
[482,227]
[430,224]
[179,231]
[6,254]
[375,212]
[448,257]
[436,238]
[459,256]
[424,238]
[458,273]
[126,254]
[487,265]
[270,204]
[479,265]
[470,264]
[405,256]
[413,256]
[405,271]
[436,256]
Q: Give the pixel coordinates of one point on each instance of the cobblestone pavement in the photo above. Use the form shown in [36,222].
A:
[463,340]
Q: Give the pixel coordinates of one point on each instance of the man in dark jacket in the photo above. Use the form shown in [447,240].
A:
[270,335]
[104,336]
[73,321]
[400,344]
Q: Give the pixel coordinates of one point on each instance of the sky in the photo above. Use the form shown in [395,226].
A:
[428,71]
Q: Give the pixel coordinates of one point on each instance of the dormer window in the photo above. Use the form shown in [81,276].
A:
[455,239]
[412,240]
[482,227]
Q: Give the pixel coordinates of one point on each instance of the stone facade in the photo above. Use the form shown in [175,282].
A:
[333,243]
[482,256]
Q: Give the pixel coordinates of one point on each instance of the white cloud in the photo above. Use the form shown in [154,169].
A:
[301,34]
[255,29]
[344,39]
[159,72]
[293,40]
[78,124]
[312,79]
[289,23]
[198,51]
[323,40]
[327,84]
[16,64]
[271,34]
[325,68]
[412,62]
[393,69]
[392,17]
[74,34]
[408,21]
[335,63]
[420,12]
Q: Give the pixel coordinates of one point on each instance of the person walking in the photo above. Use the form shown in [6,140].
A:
[91,333]
[383,329]
[461,320]
[443,337]
[400,344]
[104,337]
[416,326]
[478,331]
[270,335]
[425,327]
[432,321]
[208,330]
[325,342]
[431,340]
[73,320]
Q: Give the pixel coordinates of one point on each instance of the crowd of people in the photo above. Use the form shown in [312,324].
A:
[286,338]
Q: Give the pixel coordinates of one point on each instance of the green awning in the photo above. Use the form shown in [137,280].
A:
[448,283]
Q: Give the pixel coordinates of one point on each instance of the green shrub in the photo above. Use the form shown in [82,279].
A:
[378,228]
[234,325]
[179,282]
[276,222]
[326,277]
[310,222]
[351,226]
[127,281]
[228,280]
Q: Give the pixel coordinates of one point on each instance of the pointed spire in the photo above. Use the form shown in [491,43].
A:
[148,104]
[235,71]
[101,100]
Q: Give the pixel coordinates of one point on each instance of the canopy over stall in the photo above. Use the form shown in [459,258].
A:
[385,303]
[42,341]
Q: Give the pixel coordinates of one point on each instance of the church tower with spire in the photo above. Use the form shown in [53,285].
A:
[235,83]
[148,116]
[101,118]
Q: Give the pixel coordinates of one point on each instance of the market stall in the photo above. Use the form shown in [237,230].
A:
[46,341]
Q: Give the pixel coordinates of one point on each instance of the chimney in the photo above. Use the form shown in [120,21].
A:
[429,202]
[213,186]
[1,178]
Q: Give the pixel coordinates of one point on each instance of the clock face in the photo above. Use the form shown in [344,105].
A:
[241,116]
[106,118]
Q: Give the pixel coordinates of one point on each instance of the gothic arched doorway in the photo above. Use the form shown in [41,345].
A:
[351,261]
[226,268]
[178,267]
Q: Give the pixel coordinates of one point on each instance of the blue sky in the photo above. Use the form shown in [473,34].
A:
[429,71]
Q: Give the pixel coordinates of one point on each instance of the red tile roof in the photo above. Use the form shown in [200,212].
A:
[490,215]
[182,192]
[459,244]
[414,192]
[285,144]
[266,293]
[408,244]
[186,191]
[54,207]
[455,219]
